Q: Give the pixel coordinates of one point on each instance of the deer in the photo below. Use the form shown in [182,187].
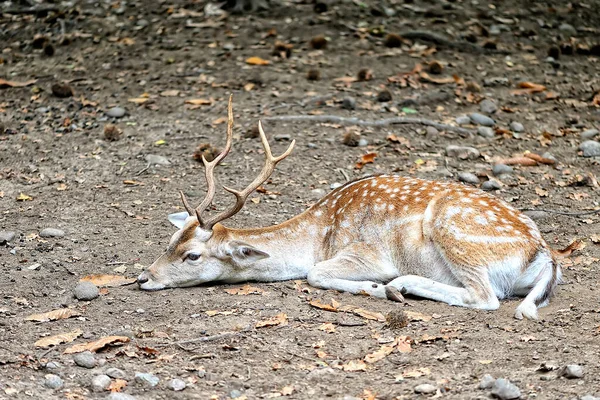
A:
[384,236]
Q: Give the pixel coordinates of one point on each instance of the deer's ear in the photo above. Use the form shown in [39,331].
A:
[243,253]
[178,219]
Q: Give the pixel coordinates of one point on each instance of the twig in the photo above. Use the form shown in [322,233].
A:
[143,170]
[569,214]
[341,171]
[442,41]
[116,263]
[212,338]
[188,137]
[361,122]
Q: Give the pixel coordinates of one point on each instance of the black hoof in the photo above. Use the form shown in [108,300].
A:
[393,294]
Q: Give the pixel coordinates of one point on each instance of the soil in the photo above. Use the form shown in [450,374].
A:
[58,171]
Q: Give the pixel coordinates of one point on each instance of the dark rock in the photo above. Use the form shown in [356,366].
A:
[62,90]
[384,96]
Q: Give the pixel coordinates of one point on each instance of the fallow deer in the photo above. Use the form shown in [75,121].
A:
[381,235]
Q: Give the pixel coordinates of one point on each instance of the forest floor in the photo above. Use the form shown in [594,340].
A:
[161,72]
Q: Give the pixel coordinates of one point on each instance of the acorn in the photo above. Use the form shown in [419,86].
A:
[384,96]
[62,90]
[318,42]
[392,40]
[112,132]
[364,74]
[351,138]
[49,49]
[39,41]
[207,150]
[313,75]
[554,52]
[435,67]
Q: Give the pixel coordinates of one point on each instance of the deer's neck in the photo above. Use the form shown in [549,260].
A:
[293,247]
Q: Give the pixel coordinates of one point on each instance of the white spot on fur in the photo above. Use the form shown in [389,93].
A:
[481,220]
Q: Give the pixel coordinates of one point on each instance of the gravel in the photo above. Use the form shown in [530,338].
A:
[116,112]
[468,177]
[462,152]
[86,291]
[502,169]
[488,106]
[176,385]
[425,388]
[52,232]
[516,126]
[7,236]
[504,390]
[146,379]
[100,383]
[486,131]
[85,360]
[590,148]
[572,371]
[52,381]
[589,134]
[481,119]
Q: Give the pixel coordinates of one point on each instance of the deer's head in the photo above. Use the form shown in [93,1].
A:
[202,249]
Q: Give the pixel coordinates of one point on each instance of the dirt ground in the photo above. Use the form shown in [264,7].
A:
[57,170]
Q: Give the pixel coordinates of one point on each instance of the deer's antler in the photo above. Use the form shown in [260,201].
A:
[241,196]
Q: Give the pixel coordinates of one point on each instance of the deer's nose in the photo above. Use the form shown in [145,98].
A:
[143,278]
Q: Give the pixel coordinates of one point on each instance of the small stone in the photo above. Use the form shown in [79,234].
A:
[425,388]
[504,390]
[486,132]
[176,385]
[490,185]
[488,106]
[516,126]
[52,381]
[234,394]
[62,90]
[496,81]
[283,137]
[392,40]
[146,379]
[335,185]
[363,142]
[431,132]
[52,365]
[572,371]
[6,236]
[487,382]
[349,103]
[318,374]
[590,148]
[100,383]
[155,159]
[463,120]
[86,291]
[481,119]
[473,87]
[502,169]
[51,232]
[462,152]
[468,177]
[568,29]
[549,156]
[384,96]
[116,112]
[589,134]
[115,373]
[120,396]
[85,360]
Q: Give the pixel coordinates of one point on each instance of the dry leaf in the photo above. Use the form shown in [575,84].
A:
[395,139]
[58,339]
[108,280]
[380,354]
[403,344]
[245,290]
[199,102]
[318,304]
[97,344]
[524,161]
[212,313]
[595,239]
[528,88]
[280,319]
[170,93]
[416,373]
[257,61]
[54,315]
[6,84]
[24,197]
[327,327]
[117,385]
[132,182]
[138,100]
[287,390]
[354,365]
[425,77]
[417,316]
[539,158]
[368,158]
[541,192]
[375,316]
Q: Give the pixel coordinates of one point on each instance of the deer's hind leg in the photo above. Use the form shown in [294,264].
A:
[357,269]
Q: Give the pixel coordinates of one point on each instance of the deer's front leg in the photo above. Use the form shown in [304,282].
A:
[356,269]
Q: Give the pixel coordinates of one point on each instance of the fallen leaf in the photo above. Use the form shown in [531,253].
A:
[245,290]
[524,161]
[425,77]
[403,344]
[97,344]
[318,304]
[528,88]
[368,158]
[380,354]
[369,314]
[327,327]
[398,139]
[540,159]
[257,61]
[353,366]
[160,142]
[287,390]
[117,385]
[212,313]
[199,102]
[417,316]
[58,339]
[595,239]
[138,100]
[280,319]
[541,192]
[485,362]
[132,182]
[61,187]
[108,280]
[24,197]
[416,373]
[61,313]
[14,84]
[170,93]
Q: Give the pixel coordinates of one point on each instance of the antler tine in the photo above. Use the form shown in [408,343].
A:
[187,206]
[267,170]
[210,166]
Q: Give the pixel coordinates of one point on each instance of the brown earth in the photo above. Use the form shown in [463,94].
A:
[113,205]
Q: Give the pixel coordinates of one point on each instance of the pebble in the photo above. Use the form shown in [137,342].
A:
[487,382]
[155,159]
[100,383]
[481,119]
[486,132]
[568,29]
[146,379]
[349,103]
[52,365]
[572,371]
[176,385]
[589,134]
[6,236]
[462,152]
[282,137]
[488,106]
[502,169]
[234,394]
[53,381]
[496,81]
[425,388]
[85,359]
[490,185]
[516,126]
[120,396]
[115,373]
[536,215]
[318,374]
[116,112]
[463,120]
[468,177]
[86,291]
[590,148]
[431,132]
[504,390]
[51,232]
[549,156]
[362,142]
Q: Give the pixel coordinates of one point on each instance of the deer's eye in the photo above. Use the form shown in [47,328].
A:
[193,256]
